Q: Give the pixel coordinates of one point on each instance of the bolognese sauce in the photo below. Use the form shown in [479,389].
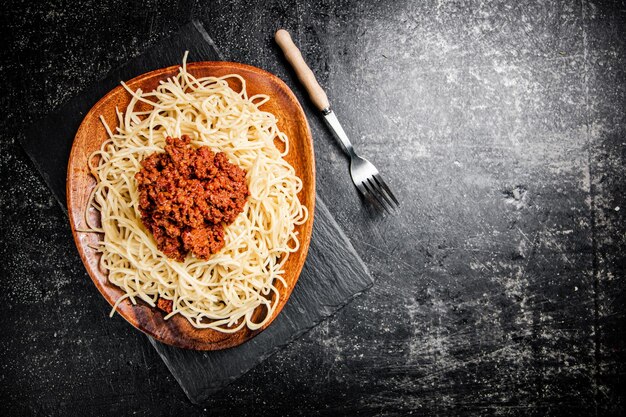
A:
[187,196]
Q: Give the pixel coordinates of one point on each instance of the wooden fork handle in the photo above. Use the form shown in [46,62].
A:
[304,73]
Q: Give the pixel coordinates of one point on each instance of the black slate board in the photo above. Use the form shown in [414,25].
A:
[333,273]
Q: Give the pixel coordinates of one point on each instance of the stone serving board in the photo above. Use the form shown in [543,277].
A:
[332,275]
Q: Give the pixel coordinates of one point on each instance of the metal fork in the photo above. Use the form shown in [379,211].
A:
[364,174]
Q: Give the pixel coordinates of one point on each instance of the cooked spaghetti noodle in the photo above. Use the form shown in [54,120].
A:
[239,283]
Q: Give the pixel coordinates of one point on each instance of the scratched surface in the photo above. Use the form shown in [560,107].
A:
[500,285]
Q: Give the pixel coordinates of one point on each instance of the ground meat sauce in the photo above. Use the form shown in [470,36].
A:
[165,305]
[187,196]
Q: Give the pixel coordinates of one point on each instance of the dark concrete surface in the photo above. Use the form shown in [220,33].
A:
[500,284]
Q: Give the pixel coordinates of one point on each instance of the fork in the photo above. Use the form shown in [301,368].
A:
[364,174]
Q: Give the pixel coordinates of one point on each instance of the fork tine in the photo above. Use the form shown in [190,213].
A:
[380,193]
[368,195]
[383,184]
[377,196]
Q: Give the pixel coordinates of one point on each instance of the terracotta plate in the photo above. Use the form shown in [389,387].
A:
[291,119]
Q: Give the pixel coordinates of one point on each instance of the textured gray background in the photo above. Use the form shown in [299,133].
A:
[500,285]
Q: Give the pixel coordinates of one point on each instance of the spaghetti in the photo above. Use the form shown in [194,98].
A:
[237,284]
